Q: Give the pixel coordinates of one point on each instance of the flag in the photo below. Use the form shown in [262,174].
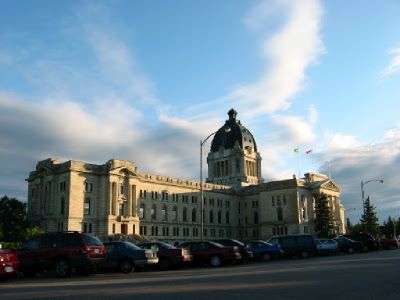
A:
[309,151]
[296,150]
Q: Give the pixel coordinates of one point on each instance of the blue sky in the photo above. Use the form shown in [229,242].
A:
[146,80]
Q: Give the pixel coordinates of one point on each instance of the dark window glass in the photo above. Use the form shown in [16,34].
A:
[68,240]
[32,244]
[91,240]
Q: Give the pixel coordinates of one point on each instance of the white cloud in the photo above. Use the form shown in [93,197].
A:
[335,142]
[394,65]
[352,163]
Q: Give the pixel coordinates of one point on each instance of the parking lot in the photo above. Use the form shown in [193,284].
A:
[371,275]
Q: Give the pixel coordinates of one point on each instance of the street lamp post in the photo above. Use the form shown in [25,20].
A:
[227,129]
[362,195]
[201,185]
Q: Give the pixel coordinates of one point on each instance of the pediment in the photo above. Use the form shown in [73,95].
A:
[330,185]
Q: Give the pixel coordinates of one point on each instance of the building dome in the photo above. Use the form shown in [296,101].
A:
[231,132]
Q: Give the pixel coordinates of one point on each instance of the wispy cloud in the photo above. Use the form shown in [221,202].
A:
[394,65]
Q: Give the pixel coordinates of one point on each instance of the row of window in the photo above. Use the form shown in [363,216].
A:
[278,200]
[255,219]
[186,232]
[251,168]
[174,214]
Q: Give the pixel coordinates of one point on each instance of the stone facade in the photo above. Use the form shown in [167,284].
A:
[115,198]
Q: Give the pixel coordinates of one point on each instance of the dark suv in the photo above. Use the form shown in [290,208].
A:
[61,252]
[302,245]
[367,240]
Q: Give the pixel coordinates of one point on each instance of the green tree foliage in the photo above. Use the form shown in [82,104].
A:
[12,219]
[349,226]
[324,226]
[390,227]
[369,218]
[32,232]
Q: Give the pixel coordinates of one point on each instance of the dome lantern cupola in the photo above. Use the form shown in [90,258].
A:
[233,158]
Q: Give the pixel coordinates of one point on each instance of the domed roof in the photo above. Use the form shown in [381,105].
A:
[231,132]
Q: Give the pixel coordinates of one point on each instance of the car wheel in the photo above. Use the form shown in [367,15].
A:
[266,257]
[62,268]
[350,250]
[304,254]
[215,261]
[125,266]
[165,263]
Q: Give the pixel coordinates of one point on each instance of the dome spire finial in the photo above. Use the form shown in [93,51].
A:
[232,114]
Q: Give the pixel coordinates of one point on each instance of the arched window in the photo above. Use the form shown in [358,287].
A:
[219,217]
[211,216]
[280,213]
[164,215]
[153,212]
[184,214]
[174,213]
[193,215]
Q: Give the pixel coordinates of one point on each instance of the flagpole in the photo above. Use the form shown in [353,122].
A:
[298,163]
[296,150]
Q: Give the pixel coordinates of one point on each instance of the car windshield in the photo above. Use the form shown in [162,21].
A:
[91,240]
[166,246]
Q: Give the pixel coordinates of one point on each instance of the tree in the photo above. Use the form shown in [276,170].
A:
[369,218]
[324,226]
[13,219]
[349,226]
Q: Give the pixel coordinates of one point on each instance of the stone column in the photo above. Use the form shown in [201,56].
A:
[134,200]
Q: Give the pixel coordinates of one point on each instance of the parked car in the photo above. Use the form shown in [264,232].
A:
[127,257]
[348,245]
[326,246]
[369,242]
[245,250]
[9,263]
[302,245]
[61,252]
[389,244]
[210,252]
[264,251]
[168,256]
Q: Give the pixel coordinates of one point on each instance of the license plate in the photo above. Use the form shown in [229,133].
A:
[9,269]
[96,251]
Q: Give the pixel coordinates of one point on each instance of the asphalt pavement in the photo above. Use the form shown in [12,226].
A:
[372,275]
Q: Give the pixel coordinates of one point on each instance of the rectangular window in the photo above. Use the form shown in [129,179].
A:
[90,227]
[88,187]
[113,228]
[86,208]
[121,189]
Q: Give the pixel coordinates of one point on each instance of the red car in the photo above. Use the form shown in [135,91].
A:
[61,252]
[210,252]
[389,244]
[9,263]
[168,255]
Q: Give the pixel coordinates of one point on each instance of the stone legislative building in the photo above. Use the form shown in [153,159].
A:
[116,198]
